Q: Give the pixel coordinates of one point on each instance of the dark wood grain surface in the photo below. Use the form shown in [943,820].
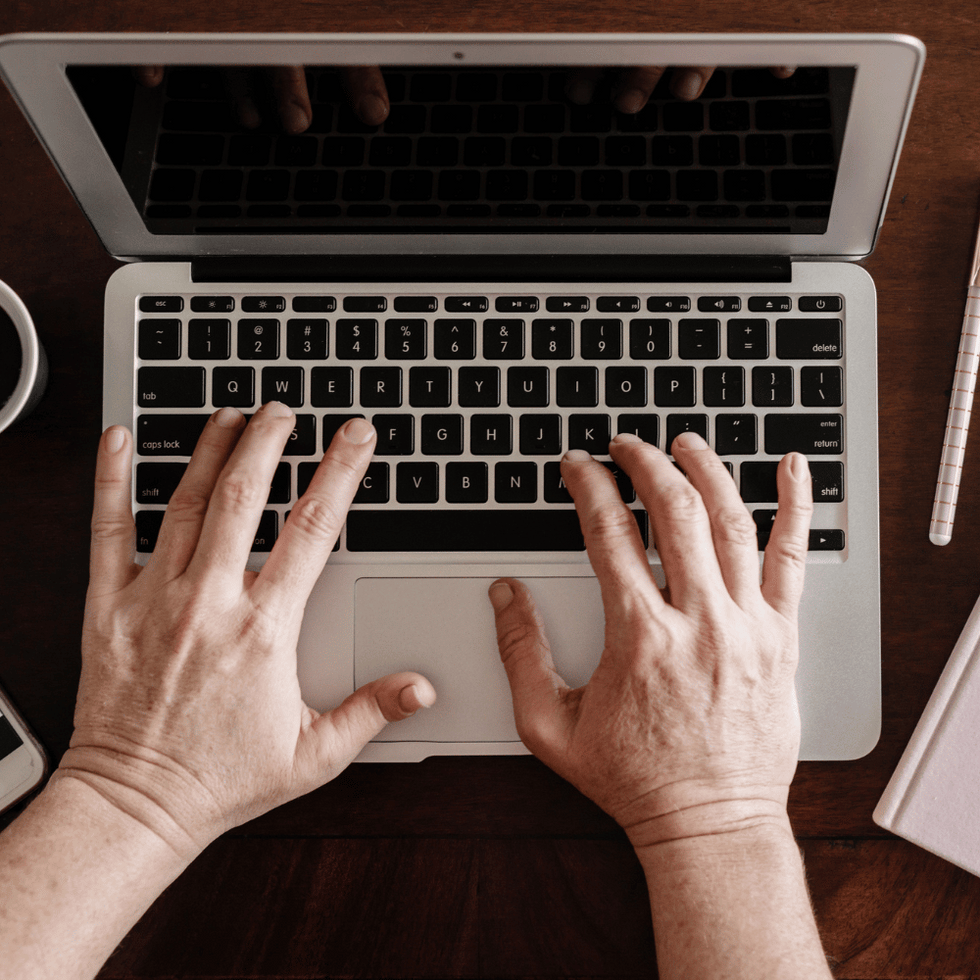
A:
[495,867]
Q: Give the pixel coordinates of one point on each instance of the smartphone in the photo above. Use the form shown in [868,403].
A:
[23,764]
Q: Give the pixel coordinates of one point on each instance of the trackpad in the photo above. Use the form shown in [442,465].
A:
[444,628]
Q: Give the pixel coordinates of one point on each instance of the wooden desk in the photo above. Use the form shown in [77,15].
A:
[495,867]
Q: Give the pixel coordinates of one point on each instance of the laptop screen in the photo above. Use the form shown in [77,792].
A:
[252,151]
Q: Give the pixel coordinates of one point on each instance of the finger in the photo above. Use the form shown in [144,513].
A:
[188,504]
[368,93]
[732,529]
[635,88]
[681,529]
[785,557]
[783,71]
[535,686]
[292,97]
[315,522]
[113,531]
[612,537]
[689,82]
[240,494]
[346,729]
[149,76]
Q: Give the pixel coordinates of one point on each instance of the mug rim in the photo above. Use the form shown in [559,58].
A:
[30,348]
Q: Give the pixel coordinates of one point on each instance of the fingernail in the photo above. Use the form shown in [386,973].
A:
[358,431]
[277,410]
[626,438]
[686,85]
[577,456]
[115,439]
[412,698]
[799,468]
[227,417]
[690,440]
[631,101]
[501,596]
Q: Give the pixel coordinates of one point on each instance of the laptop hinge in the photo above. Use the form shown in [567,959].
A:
[493,268]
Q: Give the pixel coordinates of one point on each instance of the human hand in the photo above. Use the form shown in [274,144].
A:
[189,714]
[689,725]
[632,87]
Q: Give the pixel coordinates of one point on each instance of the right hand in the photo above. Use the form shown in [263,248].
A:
[689,725]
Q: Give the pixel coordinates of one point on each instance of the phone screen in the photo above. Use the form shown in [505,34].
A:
[9,739]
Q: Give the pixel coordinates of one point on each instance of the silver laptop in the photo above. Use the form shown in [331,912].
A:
[507,267]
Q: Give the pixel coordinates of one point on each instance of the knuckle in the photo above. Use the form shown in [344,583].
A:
[682,505]
[108,528]
[609,523]
[187,503]
[788,550]
[316,517]
[237,492]
[516,641]
[734,526]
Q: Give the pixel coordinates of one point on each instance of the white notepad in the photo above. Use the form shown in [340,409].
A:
[933,798]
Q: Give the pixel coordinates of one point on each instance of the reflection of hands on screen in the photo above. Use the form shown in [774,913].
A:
[363,83]
[632,89]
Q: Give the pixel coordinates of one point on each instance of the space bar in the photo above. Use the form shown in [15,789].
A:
[464,530]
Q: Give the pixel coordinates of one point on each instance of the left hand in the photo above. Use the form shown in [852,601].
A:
[189,713]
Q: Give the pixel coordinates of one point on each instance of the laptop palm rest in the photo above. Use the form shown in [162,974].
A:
[444,628]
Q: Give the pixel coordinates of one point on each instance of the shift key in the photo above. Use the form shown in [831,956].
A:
[170,387]
[812,435]
[168,435]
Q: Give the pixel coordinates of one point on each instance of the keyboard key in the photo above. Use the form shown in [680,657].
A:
[724,387]
[156,482]
[699,339]
[623,483]
[302,440]
[416,304]
[330,424]
[374,487]
[306,339]
[405,339]
[668,304]
[466,304]
[649,339]
[263,304]
[283,384]
[626,386]
[827,539]
[551,340]
[212,304]
[209,340]
[454,340]
[646,427]
[590,432]
[601,339]
[314,304]
[161,304]
[280,491]
[772,387]
[515,483]
[467,483]
[736,435]
[748,338]
[258,340]
[503,340]
[567,304]
[381,387]
[527,387]
[516,304]
[357,339]
[415,483]
[491,435]
[396,435]
[812,435]
[442,435]
[540,435]
[170,387]
[618,304]
[468,530]
[720,304]
[159,340]
[674,387]
[770,304]
[802,339]
[828,481]
[332,387]
[429,387]
[148,524]
[821,386]
[577,387]
[365,304]
[479,387]
[265,534]
[233,386]
[820,304]
[676,424]
[168,435]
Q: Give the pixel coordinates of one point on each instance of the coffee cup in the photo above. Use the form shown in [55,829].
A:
[23,363]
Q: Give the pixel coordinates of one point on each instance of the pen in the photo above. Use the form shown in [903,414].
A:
[960,405]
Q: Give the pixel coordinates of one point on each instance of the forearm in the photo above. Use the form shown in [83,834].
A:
[733,907]
[75,875]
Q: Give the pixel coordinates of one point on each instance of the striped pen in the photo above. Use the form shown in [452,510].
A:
[958,420]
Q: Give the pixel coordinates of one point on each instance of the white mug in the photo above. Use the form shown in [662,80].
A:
[20,387]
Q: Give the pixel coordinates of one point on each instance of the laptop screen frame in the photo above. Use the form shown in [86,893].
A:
[888,68]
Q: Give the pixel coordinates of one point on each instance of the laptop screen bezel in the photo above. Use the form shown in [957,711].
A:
[887,72]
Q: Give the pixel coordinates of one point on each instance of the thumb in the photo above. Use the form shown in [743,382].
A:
[346,729]
[536,687]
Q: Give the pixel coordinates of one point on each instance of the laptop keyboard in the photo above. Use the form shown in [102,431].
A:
[476,395]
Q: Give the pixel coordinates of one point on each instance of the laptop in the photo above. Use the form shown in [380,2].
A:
[507,266]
